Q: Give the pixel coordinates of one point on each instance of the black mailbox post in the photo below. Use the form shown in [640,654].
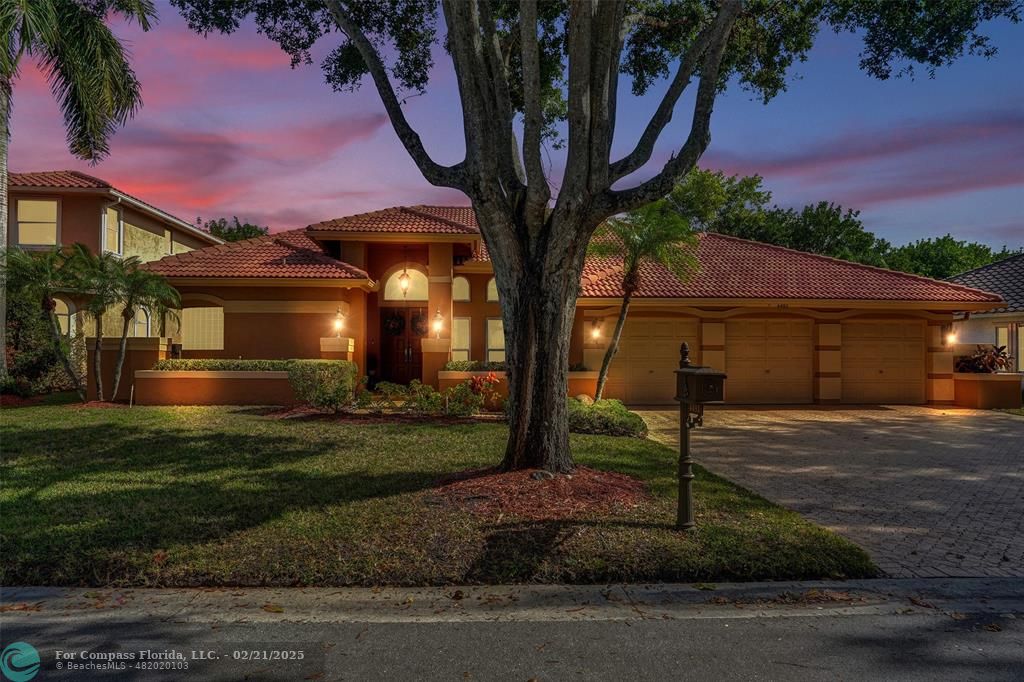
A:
[695,387]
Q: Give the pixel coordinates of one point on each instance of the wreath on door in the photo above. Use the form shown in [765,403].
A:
[420,326]
[394,324]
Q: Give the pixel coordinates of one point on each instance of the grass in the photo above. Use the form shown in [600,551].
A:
[224,496]
[1019,411]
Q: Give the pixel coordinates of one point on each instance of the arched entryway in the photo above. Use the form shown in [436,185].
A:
[404,323]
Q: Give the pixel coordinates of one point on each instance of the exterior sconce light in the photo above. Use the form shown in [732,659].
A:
[950,338]
[339,322]
[948,335]
[595,330]
[438,323]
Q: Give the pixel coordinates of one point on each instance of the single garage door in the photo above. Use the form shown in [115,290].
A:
[883,362]
[642,371]
[769,361]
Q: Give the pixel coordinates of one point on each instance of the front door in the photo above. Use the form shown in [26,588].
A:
[401,332]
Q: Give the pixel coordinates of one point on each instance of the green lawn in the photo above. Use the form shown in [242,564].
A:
[1019,411]
[225,496]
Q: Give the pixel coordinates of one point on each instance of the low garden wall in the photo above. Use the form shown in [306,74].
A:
[987,391]
[157,387]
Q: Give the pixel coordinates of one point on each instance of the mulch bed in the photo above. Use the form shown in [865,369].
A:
[8,400]
[97,404]
[534,495]
[366,417]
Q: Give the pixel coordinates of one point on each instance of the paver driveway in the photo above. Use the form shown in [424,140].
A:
[927,492]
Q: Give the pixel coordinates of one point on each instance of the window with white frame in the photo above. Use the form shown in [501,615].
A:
[36,222]
[460,338]
[202,328]
[141,323]
[495,340]
[460,290]
[492,291]
[65,317]
[113,231]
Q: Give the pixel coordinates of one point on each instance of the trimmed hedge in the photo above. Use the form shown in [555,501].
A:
[224,365]
[324,384]
[605,417]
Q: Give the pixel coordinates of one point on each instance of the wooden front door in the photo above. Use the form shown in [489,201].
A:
[401,332]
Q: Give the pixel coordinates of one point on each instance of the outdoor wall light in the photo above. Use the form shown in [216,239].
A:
[339,322]
[438,323]
[950,338]
[595,330]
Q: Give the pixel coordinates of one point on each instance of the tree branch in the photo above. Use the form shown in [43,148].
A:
[435,173]
[612,202]
[641,154]
[538,191]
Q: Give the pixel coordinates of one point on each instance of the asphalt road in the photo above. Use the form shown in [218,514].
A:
[655,633]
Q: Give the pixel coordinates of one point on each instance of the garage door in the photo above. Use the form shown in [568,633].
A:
[883,362]
[642,371]
[769,361]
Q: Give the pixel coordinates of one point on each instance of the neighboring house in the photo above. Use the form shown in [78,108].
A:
[787,326]
[61,208]
[1002,326]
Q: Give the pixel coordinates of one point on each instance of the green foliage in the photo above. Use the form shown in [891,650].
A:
[222,365]
[323,384]
[234,231]
[985,360]
[605,417]
[944,257]
[474,366]
[739,206]
[85,63]
[462,401]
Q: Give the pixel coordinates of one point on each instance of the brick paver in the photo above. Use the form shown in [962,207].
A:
[927,492]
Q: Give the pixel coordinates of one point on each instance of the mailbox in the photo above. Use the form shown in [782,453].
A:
[696,384]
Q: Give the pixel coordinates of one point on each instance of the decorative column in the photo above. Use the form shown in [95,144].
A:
[437,346]
[940,388]
[828,362]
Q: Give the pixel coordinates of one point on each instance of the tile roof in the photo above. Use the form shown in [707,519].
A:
[69,179]
[738,268]
[285,255]
[1005,277]
[407,220]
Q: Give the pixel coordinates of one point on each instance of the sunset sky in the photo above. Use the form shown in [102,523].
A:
[228,128]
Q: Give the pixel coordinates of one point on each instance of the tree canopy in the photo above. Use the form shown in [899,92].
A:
[233,230]
[740,206]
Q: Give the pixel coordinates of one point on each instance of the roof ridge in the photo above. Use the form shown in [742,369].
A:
[417,209]
[863,266]
[88,177]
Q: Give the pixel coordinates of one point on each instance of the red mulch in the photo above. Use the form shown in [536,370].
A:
[8,400]
[305,412]
[490,492]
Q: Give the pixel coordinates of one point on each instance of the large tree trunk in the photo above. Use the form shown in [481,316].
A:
[97,355]
[613,346]
[122,350]
[5,133]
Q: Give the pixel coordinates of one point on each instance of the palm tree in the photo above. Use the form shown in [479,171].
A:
[99,277]
[89,74]
[42,275]
[141,289]
[654,234]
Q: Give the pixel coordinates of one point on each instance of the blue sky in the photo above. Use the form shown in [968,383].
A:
[228,128]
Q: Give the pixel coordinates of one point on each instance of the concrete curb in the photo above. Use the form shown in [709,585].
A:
[517,603]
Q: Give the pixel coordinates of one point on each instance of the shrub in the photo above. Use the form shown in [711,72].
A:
[323,384]
[225,365]
[423,399]
[605,417]
[474,366]
[462,401]
[984,360]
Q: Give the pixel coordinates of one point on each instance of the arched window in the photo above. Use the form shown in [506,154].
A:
[417,290]
[492,291]
[460,290]
[65,317]
[141,323]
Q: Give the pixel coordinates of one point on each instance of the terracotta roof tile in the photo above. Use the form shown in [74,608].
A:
[285,255]
[408,220]
[1005,277]
[730,267]
[70,179]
